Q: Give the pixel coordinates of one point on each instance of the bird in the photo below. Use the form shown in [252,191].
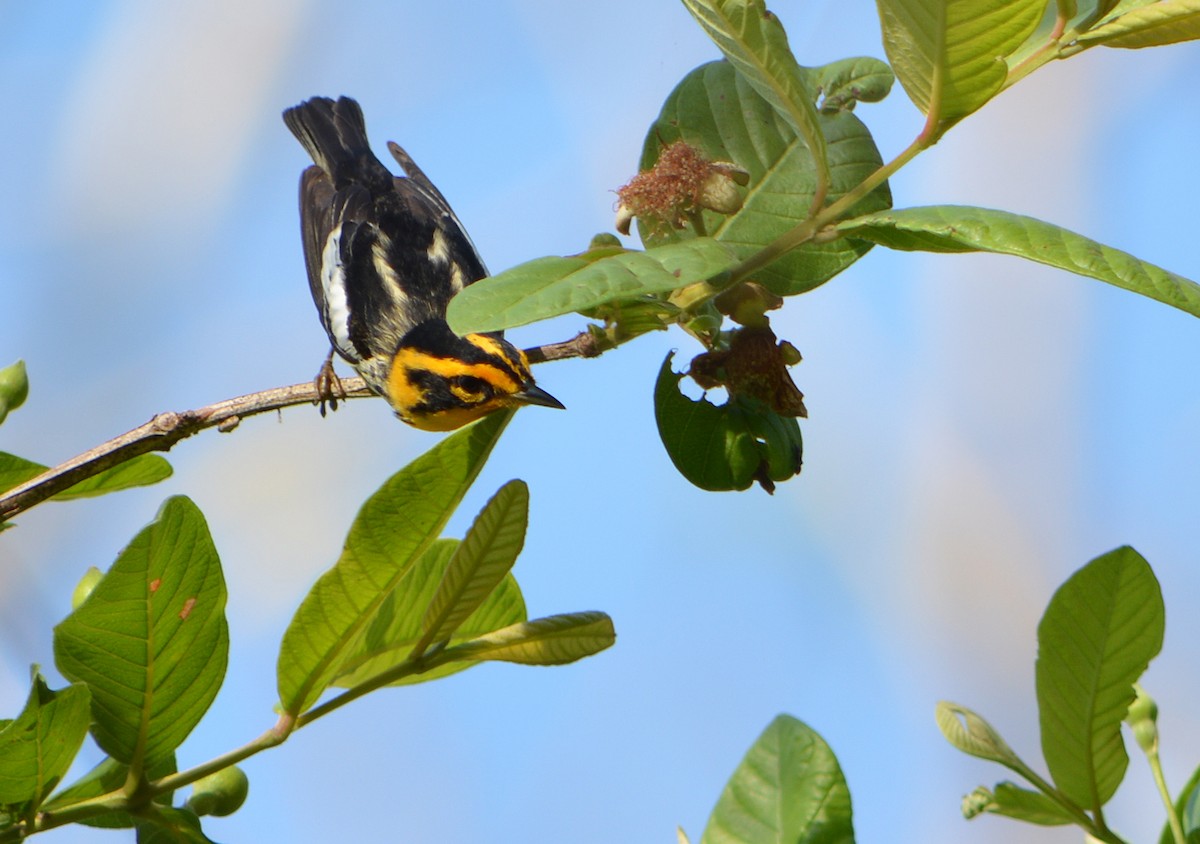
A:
[384,256]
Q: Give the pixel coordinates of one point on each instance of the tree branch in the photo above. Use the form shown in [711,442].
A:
[165,429]
[585,344]
[160,434]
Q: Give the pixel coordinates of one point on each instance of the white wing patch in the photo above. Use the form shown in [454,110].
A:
[387,274]
[457,280]
[333,284]
[439,249]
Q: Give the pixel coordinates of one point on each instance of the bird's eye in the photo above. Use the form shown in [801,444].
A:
[470,389]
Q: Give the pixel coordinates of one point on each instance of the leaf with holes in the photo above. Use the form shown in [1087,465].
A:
[724,447]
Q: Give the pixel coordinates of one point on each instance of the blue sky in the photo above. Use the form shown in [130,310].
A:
[979,427]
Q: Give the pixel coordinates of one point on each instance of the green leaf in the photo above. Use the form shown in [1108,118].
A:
[479,564]
[848,81]
[1190,816]
[151,640]
[725,447]
[549,287]
[788,789]
[390,533]
[1039,38]
[106,777]
[396,627]
[168,825]
[1106,11]
[949,54]
[952,228]
[716,111]
[971,733]
[38,746]
[1012,801]
[1165,22]
[553,640]
[15,471]
[142,470]
[1187,809]
[754,42]
[1101,630]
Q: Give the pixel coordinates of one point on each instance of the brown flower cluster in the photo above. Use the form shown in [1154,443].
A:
[681,182]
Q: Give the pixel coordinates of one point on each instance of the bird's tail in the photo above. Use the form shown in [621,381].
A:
[335,134]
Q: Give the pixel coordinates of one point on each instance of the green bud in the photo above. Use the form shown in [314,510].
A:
[977,802]
[219,794]
[1142,718]
[14,388]
[85,586]
[604,240]
[1142,708]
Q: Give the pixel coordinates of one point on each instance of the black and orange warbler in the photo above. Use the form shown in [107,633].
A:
[384,256]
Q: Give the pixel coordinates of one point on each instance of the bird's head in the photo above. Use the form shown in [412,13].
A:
[439,381]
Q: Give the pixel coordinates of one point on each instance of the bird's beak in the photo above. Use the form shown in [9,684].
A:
[536,395]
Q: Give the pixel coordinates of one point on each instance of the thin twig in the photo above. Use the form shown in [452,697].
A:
[585,344]
[160,434]
[166,429]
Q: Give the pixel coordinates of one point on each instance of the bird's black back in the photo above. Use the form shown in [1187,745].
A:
[383,254]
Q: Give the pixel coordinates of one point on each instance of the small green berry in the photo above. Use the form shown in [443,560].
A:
[219,794]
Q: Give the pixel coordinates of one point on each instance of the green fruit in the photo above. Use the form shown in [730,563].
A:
[219,794]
